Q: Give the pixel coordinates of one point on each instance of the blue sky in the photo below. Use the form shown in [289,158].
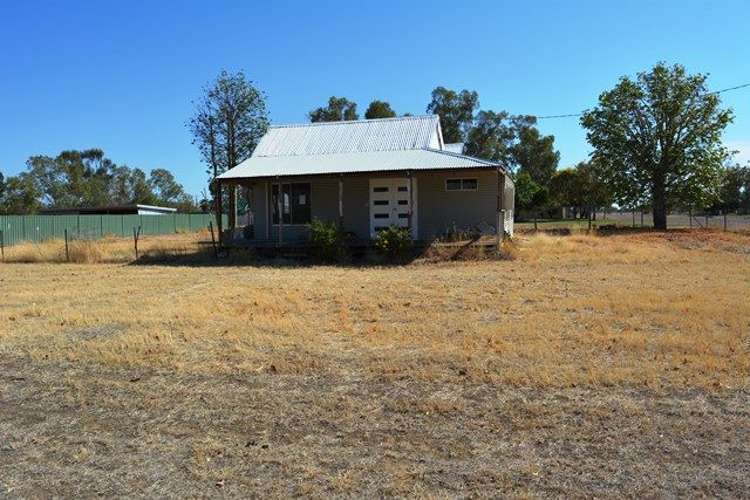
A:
[121,75]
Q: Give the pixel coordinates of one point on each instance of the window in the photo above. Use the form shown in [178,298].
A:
[295,203]
[461,184]
[380,202]
[380,189]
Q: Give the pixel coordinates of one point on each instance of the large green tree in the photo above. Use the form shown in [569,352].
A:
[657,138]
[530,195]
[379,109]
[580,188]
[20,195]
[456,111]
[734,194]
[87,178]
[229,120]
[515,142]
[164,186]
[533,152]
[338,109]
[491,137]
[72,178]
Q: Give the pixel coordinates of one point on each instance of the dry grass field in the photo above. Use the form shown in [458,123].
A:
[585,366]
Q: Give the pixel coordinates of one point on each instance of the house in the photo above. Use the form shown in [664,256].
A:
[111,210]
[365,175]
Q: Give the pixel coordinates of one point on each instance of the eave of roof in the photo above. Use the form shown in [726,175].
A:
[112,208]
[350,163]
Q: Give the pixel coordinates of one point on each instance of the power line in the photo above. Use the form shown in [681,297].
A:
[557,116]
[731,88]
[571,115]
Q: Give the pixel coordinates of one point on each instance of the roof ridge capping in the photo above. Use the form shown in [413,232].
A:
[364,120]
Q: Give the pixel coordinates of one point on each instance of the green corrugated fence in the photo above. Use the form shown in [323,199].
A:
[36,228]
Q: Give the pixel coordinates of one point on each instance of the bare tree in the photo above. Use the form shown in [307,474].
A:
[229,121]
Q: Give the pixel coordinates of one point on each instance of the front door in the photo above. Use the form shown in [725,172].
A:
[390,204]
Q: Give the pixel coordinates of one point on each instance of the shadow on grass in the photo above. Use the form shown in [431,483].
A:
[601,230]
[276,258]
[305,257]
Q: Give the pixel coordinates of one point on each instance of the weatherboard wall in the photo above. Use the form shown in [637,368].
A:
[437,209]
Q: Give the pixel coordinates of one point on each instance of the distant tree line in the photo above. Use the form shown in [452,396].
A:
[75,179]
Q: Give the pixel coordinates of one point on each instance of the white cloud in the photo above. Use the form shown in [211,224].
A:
[743,151]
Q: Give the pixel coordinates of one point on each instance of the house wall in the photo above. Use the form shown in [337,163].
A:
[437,209]
[440,209]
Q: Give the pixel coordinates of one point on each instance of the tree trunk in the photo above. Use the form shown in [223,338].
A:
[659,204]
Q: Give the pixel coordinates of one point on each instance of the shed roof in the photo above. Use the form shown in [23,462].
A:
[386,134]
[353,162]
[109,209]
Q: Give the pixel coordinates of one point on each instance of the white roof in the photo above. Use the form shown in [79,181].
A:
[405,143]
[455,147]
[386,134]
[342,163]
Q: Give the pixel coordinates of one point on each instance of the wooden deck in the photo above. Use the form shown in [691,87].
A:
[291,244]
[355,244]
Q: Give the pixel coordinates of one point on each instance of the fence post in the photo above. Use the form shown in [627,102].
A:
[23,227]
[641,217]
[2,244]
[725,221]
[67,253]
[633,218]
[213,239]
[136,234]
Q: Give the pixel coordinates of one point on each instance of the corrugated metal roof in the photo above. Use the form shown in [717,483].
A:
[454,147]
[387,134]
[353,162]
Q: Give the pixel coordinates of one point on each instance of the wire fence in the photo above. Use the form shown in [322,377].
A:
[727,222]
[16,229]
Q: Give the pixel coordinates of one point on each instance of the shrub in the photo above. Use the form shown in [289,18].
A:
[86,251]
[454,233]
[328,240]
[393,242]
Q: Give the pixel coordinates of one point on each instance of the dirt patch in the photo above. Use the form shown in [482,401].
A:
[162,434]
[97,331]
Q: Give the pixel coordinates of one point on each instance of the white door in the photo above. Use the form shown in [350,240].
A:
[390,204]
